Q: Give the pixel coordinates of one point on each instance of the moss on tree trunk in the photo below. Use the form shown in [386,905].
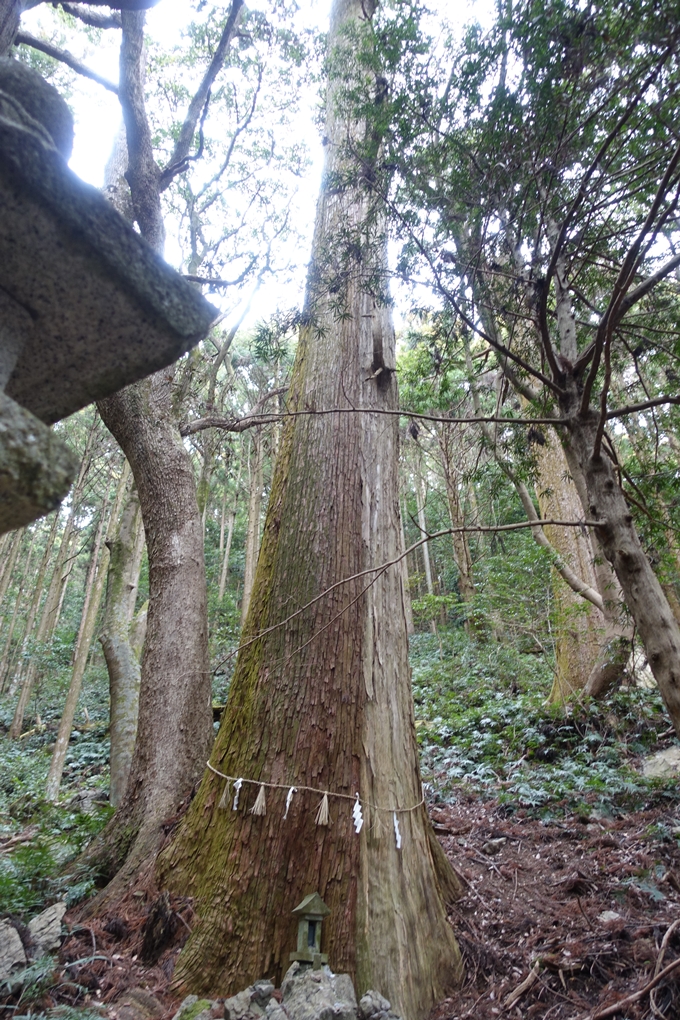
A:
[321,698]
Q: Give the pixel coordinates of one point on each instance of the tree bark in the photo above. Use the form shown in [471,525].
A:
[125,561]
[656,625]
[321,698]
[174,730]
[254,511]
[580,626]
[29,676]
[94,586]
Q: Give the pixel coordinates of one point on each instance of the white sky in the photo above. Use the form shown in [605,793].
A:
[97,112]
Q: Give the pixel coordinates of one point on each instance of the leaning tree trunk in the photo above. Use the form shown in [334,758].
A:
[321,698]
[648,606]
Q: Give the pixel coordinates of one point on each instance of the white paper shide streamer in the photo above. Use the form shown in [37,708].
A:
[260,805]
[397,831]
[323,816]
[289,798]
[357,815]
[237,789]
[224,799]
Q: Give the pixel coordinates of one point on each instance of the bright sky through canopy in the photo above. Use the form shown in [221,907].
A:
[98,118]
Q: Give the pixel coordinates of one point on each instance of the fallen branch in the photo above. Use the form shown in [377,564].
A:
[616,1007]
[519,991]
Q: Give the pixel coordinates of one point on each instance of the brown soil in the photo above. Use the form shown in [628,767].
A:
[536,905]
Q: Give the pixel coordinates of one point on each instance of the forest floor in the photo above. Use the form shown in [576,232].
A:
[562,919]
[570,854]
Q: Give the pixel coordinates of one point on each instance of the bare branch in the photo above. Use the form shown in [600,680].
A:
[198,107]
[644,288]
[92,18]
[252,420]
[25,39]
[624,279]
[645,405]
[383,567]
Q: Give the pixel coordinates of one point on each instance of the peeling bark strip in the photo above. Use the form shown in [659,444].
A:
[325,700]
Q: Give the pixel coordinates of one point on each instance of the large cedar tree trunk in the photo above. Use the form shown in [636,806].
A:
[324,701]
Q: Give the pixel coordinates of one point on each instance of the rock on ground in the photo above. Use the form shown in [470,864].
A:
[251,1003]
[138,1004]
[662,764]
[318,995]
[11,950]
[45,929]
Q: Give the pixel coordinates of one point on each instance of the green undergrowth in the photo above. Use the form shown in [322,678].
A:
[484,726]
[38,838]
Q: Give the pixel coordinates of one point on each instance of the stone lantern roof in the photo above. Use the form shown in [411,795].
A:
[86,306]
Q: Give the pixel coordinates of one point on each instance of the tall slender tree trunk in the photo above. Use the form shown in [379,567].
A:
[12,555]
[230,532]
[94,586]
[322,697]
[5,663]
[254,513]
[29,670]
[461,547]
[421,500]
[123,665]
[408,610]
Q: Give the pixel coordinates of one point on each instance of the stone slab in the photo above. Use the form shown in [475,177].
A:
[105,309]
